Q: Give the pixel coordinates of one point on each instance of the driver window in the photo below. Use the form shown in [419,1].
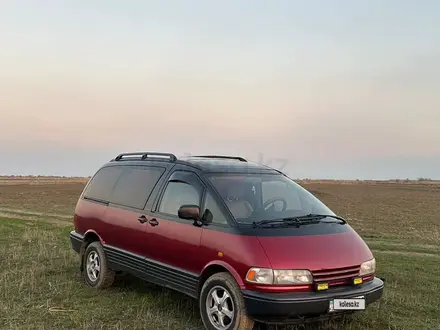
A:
[178,193]
[277,189]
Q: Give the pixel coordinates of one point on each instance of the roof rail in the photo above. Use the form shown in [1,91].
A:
[145,155]
[241,159]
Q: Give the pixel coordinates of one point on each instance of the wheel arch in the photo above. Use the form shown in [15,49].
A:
[218,266]
[89,237]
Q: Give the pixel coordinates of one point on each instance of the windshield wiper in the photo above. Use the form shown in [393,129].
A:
[276,222]
[317,217]
[298,221]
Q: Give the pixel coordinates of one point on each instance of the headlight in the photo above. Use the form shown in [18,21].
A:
[278,276]
[292,277]
[368,267]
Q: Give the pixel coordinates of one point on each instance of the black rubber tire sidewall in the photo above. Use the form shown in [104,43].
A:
[226,281]
[106,276]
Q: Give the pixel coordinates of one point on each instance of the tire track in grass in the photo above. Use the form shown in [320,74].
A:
[399,243]
[33,213]
[402,247]
[57,219]
[408,253]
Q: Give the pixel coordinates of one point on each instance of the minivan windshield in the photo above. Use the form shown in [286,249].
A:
[257,197]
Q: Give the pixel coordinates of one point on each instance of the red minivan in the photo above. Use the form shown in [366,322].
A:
[244,239]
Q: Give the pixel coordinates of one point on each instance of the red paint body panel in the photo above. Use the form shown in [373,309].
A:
[90,217]
[192,248]
[115,226]
[123,230]
[175,243]
[240,252]
[316,252]
[228,267]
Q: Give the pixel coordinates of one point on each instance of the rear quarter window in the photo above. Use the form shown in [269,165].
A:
[101,185]
[135,185]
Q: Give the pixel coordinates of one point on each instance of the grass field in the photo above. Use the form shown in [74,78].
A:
[40,286]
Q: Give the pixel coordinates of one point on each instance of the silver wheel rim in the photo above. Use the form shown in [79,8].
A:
[93,266]
[220,308]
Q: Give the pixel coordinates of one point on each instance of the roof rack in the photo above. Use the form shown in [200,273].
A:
[241,159]
[145,155]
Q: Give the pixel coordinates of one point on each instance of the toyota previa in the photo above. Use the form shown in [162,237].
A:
[244,239]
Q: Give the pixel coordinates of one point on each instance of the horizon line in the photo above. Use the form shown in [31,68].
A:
[419,179]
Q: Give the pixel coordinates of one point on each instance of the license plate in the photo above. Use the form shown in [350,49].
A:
[347,304]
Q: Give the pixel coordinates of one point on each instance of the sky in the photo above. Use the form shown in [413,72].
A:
[320,89]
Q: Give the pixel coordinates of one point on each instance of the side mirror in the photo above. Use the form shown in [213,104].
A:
[189,212]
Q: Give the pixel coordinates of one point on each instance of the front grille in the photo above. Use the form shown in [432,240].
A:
[336,276]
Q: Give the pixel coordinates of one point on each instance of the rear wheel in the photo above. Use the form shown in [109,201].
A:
[96,272]
[221,304]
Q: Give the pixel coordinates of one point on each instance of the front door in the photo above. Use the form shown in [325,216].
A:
[173,241]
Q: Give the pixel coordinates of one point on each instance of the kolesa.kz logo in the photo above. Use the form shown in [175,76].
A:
[352,304]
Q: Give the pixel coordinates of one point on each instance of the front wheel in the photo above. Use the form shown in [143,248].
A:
[221,304]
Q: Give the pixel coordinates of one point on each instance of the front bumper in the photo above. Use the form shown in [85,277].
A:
[301,307]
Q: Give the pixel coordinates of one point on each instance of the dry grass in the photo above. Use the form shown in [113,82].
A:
[40,286]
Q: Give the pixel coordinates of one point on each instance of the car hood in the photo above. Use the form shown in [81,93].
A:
[316,252]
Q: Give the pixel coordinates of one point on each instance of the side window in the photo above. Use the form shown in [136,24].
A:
[273,189]
[136,185]
[217,214]
[102,183]
[183,188]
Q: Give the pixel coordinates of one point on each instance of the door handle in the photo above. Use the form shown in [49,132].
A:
[153,222]
[142,219]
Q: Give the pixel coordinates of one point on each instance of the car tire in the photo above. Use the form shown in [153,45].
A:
[232,310]
[96,272]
